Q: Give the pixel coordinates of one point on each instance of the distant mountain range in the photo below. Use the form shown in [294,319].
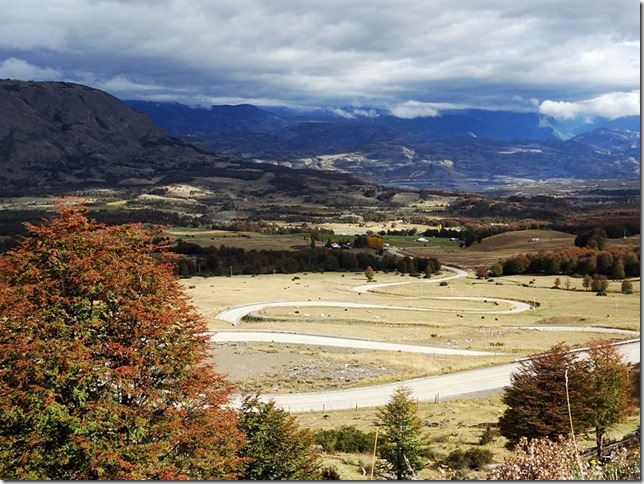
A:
[460,149]
[58,137]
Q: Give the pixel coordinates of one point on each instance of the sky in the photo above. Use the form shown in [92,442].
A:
[568,59]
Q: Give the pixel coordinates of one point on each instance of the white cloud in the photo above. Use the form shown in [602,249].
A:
[13,68]
[353,113]
[417,109]
[612,105]
[414,109]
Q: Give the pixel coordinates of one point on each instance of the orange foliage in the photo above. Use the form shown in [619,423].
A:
[102,371]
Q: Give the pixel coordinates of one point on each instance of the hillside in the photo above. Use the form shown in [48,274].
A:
[68,139]
[468,150]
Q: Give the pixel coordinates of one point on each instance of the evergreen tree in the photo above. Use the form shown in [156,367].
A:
[276,448]
[401,444]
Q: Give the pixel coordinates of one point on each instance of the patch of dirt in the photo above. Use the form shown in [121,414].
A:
[265,369]
[561,320]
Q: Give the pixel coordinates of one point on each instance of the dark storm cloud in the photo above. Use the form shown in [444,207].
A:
[414,57]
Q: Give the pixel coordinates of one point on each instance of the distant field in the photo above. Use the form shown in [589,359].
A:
[498,247]
[244,240]
[488,251]
[254,240]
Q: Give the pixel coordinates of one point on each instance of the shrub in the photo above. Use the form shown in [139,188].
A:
[345,439]
[627,287]
[539,459]
[489,435]
[472,458]
[330,473]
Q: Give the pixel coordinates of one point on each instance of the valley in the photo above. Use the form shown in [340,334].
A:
[276,230]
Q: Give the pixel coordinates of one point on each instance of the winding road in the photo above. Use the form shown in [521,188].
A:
[430,388]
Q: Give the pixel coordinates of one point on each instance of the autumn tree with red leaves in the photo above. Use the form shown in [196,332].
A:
[550,389]
[102,371]
[607,389]
[537,405]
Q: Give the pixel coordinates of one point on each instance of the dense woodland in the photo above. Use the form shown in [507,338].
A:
[224,260]
[614,262]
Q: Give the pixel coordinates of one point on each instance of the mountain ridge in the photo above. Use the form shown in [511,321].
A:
[61,138]
[468,149]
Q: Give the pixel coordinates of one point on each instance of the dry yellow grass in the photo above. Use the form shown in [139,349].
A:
[442,323]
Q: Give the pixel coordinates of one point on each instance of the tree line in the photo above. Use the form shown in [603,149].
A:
[614,262]
[225,260]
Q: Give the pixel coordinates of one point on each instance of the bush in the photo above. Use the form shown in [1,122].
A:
[472,458]
[627,287]
[442,283]
[345,439]
[330,473]
[489,435]
[476,458]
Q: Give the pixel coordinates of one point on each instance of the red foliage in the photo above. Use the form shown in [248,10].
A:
[101,361]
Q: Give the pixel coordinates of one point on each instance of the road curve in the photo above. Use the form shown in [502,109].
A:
[371,286]
[234,315]
[424,389]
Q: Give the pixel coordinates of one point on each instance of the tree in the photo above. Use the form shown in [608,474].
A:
[401,443]
[102,371]
[536,398]
[617,270]
[595,238]
[599,390]
[481,272]
[276,448]
[599,285]
[607,389]
[496,269]
[587,282]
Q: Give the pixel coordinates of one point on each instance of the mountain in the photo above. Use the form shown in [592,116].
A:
[61,138]
[460,149]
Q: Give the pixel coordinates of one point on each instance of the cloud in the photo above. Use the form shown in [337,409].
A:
[334,53]
[13,68]
[353,113]
[612,105]
[416,109]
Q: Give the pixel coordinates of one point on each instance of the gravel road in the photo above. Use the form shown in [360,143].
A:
[424,389]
